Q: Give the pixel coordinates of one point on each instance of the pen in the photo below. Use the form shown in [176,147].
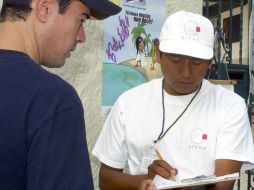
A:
[172,171]
[159,154]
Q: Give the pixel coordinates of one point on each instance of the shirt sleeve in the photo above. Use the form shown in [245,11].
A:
[110,147]
[235,140]
[57,153]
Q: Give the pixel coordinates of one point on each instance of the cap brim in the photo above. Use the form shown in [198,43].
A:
[186,48]
[101,9]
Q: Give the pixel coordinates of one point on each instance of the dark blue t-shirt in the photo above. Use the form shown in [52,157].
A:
[42,130]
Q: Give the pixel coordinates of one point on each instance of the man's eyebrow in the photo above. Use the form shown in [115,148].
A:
[86,15]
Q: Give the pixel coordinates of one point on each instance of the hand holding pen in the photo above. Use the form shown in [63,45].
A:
[162,168]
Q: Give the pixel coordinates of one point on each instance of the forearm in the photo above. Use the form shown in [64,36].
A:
[120,181]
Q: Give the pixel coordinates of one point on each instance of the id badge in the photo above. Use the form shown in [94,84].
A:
[148,157]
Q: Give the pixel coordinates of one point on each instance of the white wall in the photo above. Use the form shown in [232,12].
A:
[187,5]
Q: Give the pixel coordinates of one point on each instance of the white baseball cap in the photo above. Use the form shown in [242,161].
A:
[188,34]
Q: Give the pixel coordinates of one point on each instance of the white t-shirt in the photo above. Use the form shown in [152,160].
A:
[215,126]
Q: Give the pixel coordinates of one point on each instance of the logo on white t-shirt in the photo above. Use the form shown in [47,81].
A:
[198,139]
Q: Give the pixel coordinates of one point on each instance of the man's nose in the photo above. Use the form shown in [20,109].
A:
[81,37]
[187,68]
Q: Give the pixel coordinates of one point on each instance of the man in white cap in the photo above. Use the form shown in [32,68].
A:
[203,128]
[42,130]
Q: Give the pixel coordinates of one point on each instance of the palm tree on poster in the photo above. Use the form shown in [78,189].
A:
[148,40]
[138,30]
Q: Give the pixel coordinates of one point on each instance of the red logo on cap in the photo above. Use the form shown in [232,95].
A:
[204,136]
[197,29]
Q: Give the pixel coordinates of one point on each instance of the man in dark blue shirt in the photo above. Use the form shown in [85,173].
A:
[42,129]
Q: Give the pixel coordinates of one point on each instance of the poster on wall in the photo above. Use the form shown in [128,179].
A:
[130,47]
[251,50]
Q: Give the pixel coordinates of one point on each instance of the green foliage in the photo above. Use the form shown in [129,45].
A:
[140,30]
[137,31]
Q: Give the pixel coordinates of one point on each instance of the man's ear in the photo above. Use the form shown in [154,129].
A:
[44,8]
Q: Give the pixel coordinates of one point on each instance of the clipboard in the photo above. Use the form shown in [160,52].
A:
[161,183]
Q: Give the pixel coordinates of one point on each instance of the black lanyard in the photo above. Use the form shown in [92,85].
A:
[163,109]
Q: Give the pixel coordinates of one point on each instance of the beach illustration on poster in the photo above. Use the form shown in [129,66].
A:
[130,45]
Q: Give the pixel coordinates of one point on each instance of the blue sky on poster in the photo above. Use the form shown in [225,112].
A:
[118,46]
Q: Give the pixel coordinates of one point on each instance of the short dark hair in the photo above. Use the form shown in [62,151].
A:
[137,41]
[19,9]
[155,40]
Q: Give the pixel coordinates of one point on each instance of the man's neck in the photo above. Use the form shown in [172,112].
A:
[16,36]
